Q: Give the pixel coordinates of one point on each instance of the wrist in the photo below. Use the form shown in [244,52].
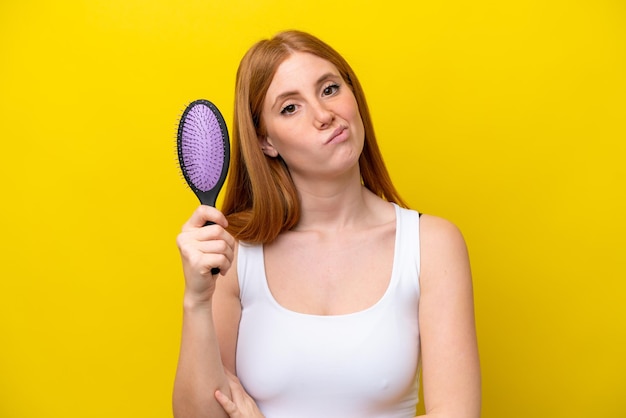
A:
[193,303]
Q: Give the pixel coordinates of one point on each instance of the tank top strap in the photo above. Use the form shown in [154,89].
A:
[408,245]
[250,265]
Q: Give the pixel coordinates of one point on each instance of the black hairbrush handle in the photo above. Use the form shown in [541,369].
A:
[214,270]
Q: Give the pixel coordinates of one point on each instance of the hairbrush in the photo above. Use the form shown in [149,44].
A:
[203,151]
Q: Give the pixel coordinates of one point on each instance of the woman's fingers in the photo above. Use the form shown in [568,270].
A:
[240,405]
[204,248]
[228,405]
[204,214]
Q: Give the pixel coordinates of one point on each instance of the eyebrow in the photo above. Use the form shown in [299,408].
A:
[319,81]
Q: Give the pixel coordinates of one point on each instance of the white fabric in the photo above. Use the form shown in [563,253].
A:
[363,364]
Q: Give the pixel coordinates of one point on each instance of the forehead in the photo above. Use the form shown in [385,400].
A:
[299,70]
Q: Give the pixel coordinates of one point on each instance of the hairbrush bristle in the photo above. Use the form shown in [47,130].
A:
[202,147]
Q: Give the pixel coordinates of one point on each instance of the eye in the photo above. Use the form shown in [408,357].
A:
[288,110]
[330,89]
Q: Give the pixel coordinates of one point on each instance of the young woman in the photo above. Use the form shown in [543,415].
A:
[332,294]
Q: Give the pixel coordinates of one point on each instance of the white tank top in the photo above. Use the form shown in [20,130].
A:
[362,364]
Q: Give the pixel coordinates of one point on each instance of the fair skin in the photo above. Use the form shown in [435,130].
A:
[337,259]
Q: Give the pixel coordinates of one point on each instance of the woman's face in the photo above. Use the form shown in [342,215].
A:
[312,119]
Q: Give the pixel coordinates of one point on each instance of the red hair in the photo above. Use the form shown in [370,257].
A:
[261,200]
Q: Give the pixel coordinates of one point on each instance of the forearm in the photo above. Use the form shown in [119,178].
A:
[466,413]
[445,415]
[200,371]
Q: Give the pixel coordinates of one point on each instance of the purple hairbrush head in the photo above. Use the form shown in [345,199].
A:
[203,149]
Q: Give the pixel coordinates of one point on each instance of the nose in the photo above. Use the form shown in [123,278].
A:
[323,116]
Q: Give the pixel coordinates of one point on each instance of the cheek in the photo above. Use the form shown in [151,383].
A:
[357,120]
[282,135]
[352,108]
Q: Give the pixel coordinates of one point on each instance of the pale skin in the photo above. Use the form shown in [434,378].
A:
[347,234]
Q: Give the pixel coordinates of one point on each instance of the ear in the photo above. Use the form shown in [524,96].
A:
[267,147]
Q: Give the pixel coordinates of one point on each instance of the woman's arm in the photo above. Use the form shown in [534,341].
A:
[242,405]
[450,363]
[200,371]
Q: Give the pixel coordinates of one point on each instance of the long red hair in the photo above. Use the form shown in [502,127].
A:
[261,200]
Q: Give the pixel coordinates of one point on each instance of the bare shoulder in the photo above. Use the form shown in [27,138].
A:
[443,249]
[439,232]
[451,367]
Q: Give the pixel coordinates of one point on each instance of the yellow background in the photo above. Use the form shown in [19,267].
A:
[506,117]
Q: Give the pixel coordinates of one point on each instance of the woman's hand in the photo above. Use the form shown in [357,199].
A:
[203,248]
[241,405]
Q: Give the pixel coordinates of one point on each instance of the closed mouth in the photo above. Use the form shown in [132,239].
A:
[336,133]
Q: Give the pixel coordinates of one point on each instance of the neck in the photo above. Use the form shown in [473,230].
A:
[336,204]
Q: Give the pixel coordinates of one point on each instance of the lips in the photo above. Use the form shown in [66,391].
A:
[338,135]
